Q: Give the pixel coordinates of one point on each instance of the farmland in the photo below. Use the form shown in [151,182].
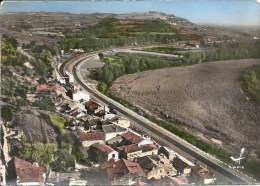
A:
[205,99]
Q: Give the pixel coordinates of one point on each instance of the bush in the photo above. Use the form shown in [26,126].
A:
[251,83]
[58,122]
[6,113]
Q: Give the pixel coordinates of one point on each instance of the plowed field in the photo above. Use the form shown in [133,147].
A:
[205,99]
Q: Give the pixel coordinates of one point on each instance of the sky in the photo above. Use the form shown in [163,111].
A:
[221,12]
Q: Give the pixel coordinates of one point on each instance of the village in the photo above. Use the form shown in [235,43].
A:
[119,153]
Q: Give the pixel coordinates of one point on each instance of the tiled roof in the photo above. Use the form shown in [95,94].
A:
[133,168]
[120,168]
[92,105]
[203,172]
[28,172]
[90,136]
[133,138]
[148,147]
[129,148]
[103,148]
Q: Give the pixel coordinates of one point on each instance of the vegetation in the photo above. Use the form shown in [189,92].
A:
[70,148]
[52,156]
[58,122]
[123,63]
[252,168]
[6,113]
[251,83]
[45,104]
[2,136]
[110,33]
[165,50]
[44,154]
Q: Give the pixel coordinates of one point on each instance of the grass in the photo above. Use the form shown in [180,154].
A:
[58,122]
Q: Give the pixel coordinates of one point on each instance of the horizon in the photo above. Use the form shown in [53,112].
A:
[227,13]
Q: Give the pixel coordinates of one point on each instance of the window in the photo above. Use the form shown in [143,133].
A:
[113,155]
[160,171]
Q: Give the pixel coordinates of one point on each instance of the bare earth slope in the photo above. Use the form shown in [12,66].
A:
[205,98]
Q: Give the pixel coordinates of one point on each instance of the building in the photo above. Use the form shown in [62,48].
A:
[89,138]
[170,154]
[156,166]
[92,107]
[121,168]
[112,130]
[168,180]
[182,165]
[201,175]
[131,137]
[130,152]
[78,95]
[101,153]
[114,142]
[28,174]
[133,151]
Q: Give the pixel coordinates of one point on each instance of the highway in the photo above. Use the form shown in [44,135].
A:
[234,176]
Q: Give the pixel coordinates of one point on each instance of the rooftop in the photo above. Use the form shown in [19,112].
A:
[103,148]
[129,148]
[118,169]
[109,128]
[90,136]
[28,172]
[133,138]
[203,172]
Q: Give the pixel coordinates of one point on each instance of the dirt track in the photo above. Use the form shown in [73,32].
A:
[205,99]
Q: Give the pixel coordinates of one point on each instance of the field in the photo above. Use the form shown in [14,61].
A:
[205,99]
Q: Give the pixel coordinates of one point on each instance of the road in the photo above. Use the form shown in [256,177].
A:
[215,164]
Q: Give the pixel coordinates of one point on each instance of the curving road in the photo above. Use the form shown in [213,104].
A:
[218,166]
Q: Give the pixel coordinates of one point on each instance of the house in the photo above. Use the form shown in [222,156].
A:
[114,142]
[182,165]
[92,107]
[170,154]
[131,137]
[112,130]
[201,175]
[156,166]
[130,152]
[149,149]
[168,180]
[78,95]
[28,174]
[133,151]
[118,169]
[89,138]
[101,153]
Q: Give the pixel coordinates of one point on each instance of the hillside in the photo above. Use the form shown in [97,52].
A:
[205,99]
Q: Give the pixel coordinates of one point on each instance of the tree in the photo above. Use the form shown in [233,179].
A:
[6,113]
[101,56]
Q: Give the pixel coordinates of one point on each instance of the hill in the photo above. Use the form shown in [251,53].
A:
[205,99]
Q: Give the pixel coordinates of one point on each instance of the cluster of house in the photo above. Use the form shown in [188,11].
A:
[122,155]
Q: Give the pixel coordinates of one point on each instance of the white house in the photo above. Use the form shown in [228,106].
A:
[78,95]
[102,153]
